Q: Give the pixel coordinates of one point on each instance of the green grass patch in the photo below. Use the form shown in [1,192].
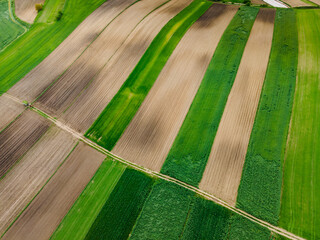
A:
[51,10]
[260,188]
[112,122]
[189,153]
[300,203]
[31,48]
[10,28]
[80,218]
[119,214]
[164,213]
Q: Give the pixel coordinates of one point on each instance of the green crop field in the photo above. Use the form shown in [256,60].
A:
[10,28]
[112,122]
[265,155]
[300,204]
[42,38]
[81,216]
[190,151]
[119,214]
[51,11]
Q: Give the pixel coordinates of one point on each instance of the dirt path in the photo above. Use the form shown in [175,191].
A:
[26,9]
[149,136]
[46,211]
[9,110]
[223,171]
[19,137]
[58,97]
[37,80]
[25,180]
[94,99]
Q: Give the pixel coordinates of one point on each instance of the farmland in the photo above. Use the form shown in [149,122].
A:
[159,119]
[300,193]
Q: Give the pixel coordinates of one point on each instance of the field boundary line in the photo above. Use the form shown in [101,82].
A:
[209,196]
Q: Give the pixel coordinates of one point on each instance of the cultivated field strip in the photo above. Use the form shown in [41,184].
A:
[46,211]
[24,181]
[297,3]
[9,110]
[25,9]
[78,76]
[86,109]
[18,138]
[45,73]
[148,138]
[223,171]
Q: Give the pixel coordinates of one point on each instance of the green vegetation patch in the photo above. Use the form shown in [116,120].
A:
[42,38]
[164,213]
[10,28]
[119,214]
[260,188]
[112,122]
[80,218]
[53,11]
[188,156]
[300,203]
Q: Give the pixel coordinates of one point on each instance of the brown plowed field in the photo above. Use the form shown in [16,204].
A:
[26,9]
[18,138]
[148,138]
[25,180]
[78,76]
[297,3]
[46,211]
[106,84]
[223,171]
[9,110]
[35,82]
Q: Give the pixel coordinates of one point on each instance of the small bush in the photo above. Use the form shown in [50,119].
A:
[39,7]
[59,16]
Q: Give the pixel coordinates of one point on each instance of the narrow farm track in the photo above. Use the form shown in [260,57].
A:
[45,73]
[87,107]
[26,10]
[47,210]
[149,136]
[223,170]
[209,196]
[26,179]
[18,137]
[58,97]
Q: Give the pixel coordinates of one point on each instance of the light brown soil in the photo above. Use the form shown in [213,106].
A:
[76,78]
[223,171]
[46,211]
[316,1]
[37,80]
[24,181]
[258,2]
[9,110]
[106,84]
[297,3]
[26,9]
[19,137]
[149,136]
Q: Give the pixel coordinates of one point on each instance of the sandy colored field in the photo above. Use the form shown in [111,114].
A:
[26,9]
[81,115]
[56,99]
[24,181]
[148,138]
[18,138]
[37,80]
[297,3]
[9,110]
[46,211]
[223,171]
[316,1]
[258,2]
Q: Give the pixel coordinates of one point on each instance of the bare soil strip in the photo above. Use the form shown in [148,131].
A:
[37,80]
[78,76]
[46,211]
[148,138]
[223,171]
[26,9]
[9,110]
[86,109]
[297,3]
[25,180]
[18,138]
